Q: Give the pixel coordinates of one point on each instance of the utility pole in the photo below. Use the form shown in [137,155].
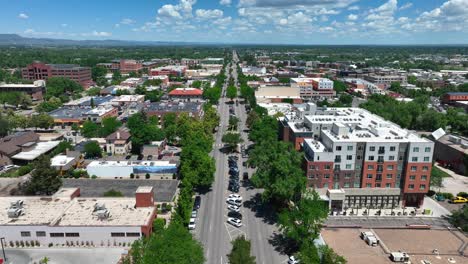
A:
[3,250]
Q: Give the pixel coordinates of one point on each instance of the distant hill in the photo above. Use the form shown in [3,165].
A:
[17,40]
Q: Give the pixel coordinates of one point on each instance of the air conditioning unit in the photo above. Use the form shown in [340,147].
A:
[14,212]
[16,204]
[103,214]
[99,207]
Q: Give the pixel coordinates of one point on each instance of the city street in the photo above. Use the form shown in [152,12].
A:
[212,229]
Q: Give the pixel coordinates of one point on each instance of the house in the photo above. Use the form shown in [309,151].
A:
[67,161]
[14,144]
[118,143]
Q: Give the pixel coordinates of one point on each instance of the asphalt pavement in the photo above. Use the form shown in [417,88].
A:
[212,230]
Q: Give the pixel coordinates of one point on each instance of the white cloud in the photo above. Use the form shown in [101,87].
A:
[353,8]
[299,18]
[208,14]
[225,2]
[101,34]
[182,10]
[291,3]
[406,6]
[352,17]
[450,16]
[170,11]
[23,16]
[283,21]
[127,21]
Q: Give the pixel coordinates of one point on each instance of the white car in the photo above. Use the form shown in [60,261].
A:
[235,196]
[234,221]
[293,260]
[233,208]
[194,214]
[234,201]
[191,224]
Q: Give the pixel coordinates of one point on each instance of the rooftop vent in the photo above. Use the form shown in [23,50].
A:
[99,207]
[14,212]
[17,204]
[103,214]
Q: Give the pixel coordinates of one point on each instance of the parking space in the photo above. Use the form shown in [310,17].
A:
[435,246]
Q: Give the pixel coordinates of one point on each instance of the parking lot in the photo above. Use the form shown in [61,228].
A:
[419,244]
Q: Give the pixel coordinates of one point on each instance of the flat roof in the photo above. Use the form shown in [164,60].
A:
[60,160]
[39,149]
[128,163]
[278,92]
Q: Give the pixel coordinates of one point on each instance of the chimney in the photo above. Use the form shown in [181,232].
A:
[144,196]
[118,134]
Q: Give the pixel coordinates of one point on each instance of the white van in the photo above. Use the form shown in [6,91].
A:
[399,256]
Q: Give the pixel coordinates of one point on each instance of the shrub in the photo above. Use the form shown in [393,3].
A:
[132,175]
[94,177]
[446,195]
[147,176]
[22,243]
[463,194]
[24,170]
[12,244]
[430,193]
[138,176]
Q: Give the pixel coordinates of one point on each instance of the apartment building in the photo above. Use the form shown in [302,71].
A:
[354,151]
[41,71]
[65,219]
[314,88]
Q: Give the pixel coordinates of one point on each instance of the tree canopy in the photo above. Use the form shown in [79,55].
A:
[44,180]
[92,150]
[240,253]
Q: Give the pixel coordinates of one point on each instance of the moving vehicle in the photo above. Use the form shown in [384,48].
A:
[197,202]
[234,221]
[191,224]
[399,257]
[459,199]
[233,208]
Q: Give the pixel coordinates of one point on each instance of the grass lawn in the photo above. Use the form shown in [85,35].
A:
[436,172]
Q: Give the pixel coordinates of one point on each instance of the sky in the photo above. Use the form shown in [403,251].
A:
[242,21]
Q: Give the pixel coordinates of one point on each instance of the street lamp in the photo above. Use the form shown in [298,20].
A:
[3,249]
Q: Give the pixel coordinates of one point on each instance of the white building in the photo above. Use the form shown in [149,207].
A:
[123,169]
[64,219]
[314,88]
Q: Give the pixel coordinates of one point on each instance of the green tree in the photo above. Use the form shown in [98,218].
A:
[98,74]
[4,126]
[89,129]
[197,167]
[339,86]
[303,220]
[240,253]
[143,131]
[92,150]
[57,86]
[308,253]
[233,122]
[252,117]
[44,180]
[231,92]
[113,193]
[109,126]
[231,140]
[62,147]
[331,257]
[174,244]
[95,91]
[42,121]
[49,105]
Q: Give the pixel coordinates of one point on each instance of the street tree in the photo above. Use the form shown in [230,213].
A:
[231,140]
[231,92]
[109,126]
[44,180]
[92,150]
[233,122]
[240,253]
[329,256]
[89,129]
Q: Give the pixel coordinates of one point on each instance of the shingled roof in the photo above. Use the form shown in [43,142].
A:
[11,144]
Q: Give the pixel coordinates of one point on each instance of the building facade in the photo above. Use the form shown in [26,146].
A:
[314,88]
[118,143]
[36,90]
[41,71]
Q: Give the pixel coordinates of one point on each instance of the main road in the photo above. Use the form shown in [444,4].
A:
[258,223]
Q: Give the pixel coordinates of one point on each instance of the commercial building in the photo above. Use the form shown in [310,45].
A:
[452,97]
[127,66]
[314,88]
[14,144]
[123,169]
[118,143]
[35,90]
[170,70]
[97,114]
[66,220]
[160,109]
[254,71]
[452,151]
[41,71]
[278,94]
[386,80]
[186,94]
[352,148]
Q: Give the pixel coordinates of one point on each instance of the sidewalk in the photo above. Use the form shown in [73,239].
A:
[457,183]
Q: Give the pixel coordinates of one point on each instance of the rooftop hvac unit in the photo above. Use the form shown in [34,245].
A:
[14,212]
[99,207]
[455,139]
[16,204]
[103,214]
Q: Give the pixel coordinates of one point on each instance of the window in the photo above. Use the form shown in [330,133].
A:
[391,157]
[369,176]
[414,168]
[371,148]
[425,168]
[25,233]
[412,177]
[400,158]
[349,157]
[338,148]
[359,148]
[415,159]
[427,149]
[423,177]
[327,167]
[370,167]
[371,157]
[325,185]
[380,159]
[422,187]
[346,185]
[393,148]
[40,234]
[117,234]
[378,177]
[347,175]
[326,176]
[348,166]
[337,167]
[57,234]
[358,157]
[415,149]
[358,166]
[388,185]
[350,148]
[311,176]
[357,185]
[377,185]
[389,176]
[389,167]
[426,158]
[381,150]
[368,185]
[312,167]
[411,186]
[133,234]
[337,158]
[72,234]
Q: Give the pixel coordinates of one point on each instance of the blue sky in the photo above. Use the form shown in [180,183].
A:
[242,21]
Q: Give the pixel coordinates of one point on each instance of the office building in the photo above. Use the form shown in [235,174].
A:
[41,71]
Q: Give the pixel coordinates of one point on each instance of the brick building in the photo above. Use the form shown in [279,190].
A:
[41,71]
[314,88]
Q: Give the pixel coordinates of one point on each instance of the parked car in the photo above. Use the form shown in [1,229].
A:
[293,260]
[192,224]
[233,208]
[194,214]
[235,215]
[197,202]
[459,199]
[235,196]
[235,222]
[245,176]
[234,202]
